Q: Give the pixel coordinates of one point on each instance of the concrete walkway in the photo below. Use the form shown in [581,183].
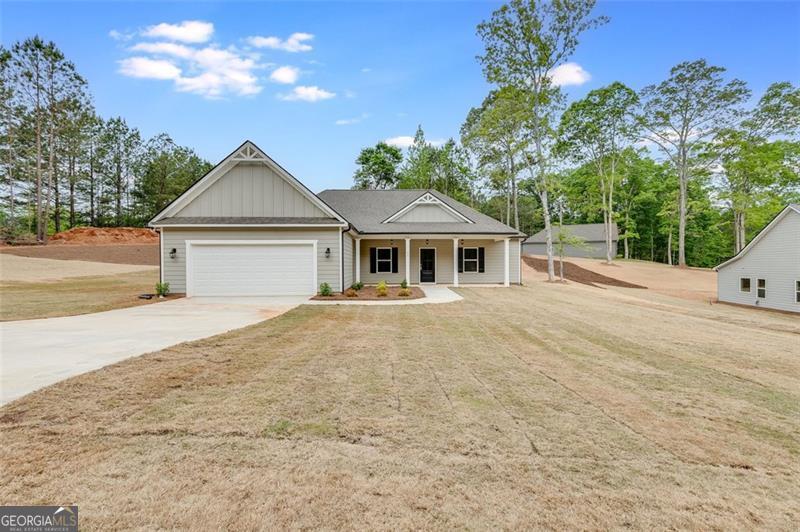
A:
[37,353]
[434,294]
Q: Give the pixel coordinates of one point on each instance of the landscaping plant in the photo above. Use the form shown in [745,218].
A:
[382,289]
[351,292]
[404,284]
[162,289]
[404,292]
[325,290]
[357,286]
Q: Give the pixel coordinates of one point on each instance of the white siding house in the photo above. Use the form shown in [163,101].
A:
[766,273]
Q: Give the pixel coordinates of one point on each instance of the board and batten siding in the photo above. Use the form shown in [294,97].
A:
[175,269]
[427,213]
[494,261]
[348,264]
[251,190]
[774,258]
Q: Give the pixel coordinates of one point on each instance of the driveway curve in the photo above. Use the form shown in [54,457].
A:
[37,353]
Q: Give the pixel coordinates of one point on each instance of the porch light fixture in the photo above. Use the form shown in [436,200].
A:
[327,253]
[173,253]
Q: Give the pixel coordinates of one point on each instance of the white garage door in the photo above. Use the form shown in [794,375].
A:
[252,269]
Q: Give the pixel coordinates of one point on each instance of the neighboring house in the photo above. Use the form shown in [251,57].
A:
[594,236]
[766,273]
[248,227]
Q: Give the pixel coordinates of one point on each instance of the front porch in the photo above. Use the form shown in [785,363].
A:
[446,261]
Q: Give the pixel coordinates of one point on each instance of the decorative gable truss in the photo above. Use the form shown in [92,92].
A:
[247,153]
[427,208]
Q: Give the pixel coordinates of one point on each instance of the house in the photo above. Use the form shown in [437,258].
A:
[594,236]
[248,227]
[766,272]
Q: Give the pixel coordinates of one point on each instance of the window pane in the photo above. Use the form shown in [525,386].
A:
[470,253]
[762,283]
[385,253]
[384,266]
[471,266]
[745,284]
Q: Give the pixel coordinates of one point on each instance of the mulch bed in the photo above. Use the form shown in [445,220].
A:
[368,293]
[146,254]
[573,272]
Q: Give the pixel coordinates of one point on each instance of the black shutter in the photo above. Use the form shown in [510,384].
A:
[460,260]
[394,260]
[481,268]
[373,260]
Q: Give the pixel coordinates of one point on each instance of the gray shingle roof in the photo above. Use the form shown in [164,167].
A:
[588,232]
[367,209]
[245,220]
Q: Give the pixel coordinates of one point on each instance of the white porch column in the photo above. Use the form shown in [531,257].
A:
[455,262]
[505,260]
[358,260]
[408,260]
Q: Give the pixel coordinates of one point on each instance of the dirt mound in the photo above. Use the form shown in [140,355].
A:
[573,272]
[105,235]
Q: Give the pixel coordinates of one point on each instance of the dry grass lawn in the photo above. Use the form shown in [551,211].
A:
[75,295]
[554,406]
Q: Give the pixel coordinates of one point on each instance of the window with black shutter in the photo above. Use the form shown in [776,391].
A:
[373,260]
[470,260]
[383,259]
[481,260]
[394,260]
[460,260]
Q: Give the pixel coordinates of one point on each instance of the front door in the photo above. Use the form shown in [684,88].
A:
[427,265]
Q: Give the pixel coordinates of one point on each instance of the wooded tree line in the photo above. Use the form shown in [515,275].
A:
[65,166]
[689,168]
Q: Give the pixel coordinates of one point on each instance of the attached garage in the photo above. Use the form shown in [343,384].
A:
[250,267]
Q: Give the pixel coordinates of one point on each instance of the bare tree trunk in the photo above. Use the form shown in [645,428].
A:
[625,240]
[669,247]
[683,180]
[742,232]
[548,231]
[39,225]
[508,202]
[561,244]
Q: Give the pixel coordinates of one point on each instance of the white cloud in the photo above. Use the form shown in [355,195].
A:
[307,94]
[365,70]
[190,31]
[351,121]
[295,43]
[405,141]
[164,48]
[144,67]
[569,74]
[285,74]
[120,36]
[214,71]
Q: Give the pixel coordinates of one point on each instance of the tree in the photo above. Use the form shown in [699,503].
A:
[598,129]
[683,112]
[495,134]
[166,171]
[378,167]
[756,167]
[525,41]
[119,148]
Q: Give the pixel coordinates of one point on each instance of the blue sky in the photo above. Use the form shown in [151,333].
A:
[369,71]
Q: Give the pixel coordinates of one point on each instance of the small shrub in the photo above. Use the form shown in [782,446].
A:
[357,286]
[325,290]
[350,292]
[404,292]
[382,289]
[404,284]
[162,289]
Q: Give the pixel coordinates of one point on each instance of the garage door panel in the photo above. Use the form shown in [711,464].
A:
[252,269]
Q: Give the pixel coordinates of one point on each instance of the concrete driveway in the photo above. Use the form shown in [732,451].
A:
[37,353]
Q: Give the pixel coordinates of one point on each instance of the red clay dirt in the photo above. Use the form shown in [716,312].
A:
[105,235]
[573,272]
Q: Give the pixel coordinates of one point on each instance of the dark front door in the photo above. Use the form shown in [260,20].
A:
[427,265]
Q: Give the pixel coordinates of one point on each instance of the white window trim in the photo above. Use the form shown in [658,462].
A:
[464,259]
[378,260]
[749,288]
[191,243]
[759,288]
